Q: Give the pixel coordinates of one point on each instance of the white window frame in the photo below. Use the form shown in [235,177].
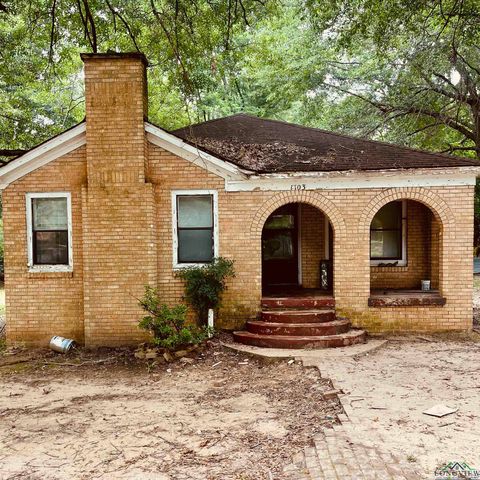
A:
[402,262]
[48,268]
[175,194]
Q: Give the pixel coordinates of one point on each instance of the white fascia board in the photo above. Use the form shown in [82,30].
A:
[192,154]
[441,177]
[43,154]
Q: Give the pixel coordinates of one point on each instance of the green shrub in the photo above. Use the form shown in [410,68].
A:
[168,325]
[205,284]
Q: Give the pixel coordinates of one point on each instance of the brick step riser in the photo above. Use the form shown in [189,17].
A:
[300,330]
[298,316]
[277,341]
[298,303]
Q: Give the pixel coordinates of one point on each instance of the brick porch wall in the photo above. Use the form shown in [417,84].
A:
[241,219]
[312,240]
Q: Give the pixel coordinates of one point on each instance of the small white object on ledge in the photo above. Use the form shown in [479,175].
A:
[426,285]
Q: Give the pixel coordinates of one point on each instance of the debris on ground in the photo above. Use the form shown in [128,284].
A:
[118,416]
[440,411]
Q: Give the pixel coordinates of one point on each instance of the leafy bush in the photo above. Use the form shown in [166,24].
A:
[205,284]
[168,325]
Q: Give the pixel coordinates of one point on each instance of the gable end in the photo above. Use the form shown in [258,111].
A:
[44,153]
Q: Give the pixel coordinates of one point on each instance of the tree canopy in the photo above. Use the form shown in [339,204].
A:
[405,72]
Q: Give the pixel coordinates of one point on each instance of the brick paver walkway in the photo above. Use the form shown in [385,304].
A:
[338,454]
[352,450]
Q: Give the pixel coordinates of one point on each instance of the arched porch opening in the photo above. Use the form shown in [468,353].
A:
[405,253]
[297,251]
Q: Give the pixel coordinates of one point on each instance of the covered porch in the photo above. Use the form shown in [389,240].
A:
[405,252]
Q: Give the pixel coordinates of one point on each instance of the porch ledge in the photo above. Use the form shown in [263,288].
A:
[406,298]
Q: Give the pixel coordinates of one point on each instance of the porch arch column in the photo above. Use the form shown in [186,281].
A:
[351,267]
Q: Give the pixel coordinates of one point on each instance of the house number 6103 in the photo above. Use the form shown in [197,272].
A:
[300,186]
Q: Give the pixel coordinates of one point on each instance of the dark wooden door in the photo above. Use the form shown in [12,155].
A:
[280,248]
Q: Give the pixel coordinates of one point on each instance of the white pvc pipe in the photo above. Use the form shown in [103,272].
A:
[210,319]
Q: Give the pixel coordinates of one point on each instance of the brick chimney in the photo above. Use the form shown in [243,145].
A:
[116,107]
[118,212]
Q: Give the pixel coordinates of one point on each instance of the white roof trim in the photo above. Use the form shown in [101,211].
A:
[441,177]
[198,157]
[43,154]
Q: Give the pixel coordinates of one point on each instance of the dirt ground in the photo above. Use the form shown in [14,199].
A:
[476,300]
[390,388]
[220,416]
[224,416]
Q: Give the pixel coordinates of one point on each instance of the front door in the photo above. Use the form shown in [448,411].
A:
[280,248]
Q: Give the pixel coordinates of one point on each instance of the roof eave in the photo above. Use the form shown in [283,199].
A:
[195,155]
[446,170]
[42,154]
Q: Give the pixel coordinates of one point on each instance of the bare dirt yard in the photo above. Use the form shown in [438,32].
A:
[109,415]
[390,388]
[476,301]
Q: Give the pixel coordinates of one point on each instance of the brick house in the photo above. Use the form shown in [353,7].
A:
[115,203]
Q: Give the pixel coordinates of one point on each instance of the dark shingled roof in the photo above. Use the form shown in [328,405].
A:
[268,146]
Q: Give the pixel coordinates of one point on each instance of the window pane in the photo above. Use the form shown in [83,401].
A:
[195,211]
[388,217]
[195,246]
[280,221]
[51,248]
[50,213]
[385,245]
[278,246]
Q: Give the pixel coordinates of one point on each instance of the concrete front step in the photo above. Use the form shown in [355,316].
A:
[296,341]
[305,303]
[299,329]
[298,316]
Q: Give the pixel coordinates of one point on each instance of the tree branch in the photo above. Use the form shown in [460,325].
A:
[11,152]
[441,118]
[52,30]
[116,13]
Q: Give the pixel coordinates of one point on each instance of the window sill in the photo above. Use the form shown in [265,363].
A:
[182,266]
[406,299]
[397,268]
[388,263]
[52,271]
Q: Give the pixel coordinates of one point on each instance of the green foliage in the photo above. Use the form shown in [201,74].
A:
[168,325]
[190,47]
[204,285]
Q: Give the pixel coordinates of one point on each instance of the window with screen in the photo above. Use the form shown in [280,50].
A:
[195,228]
[49,234]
